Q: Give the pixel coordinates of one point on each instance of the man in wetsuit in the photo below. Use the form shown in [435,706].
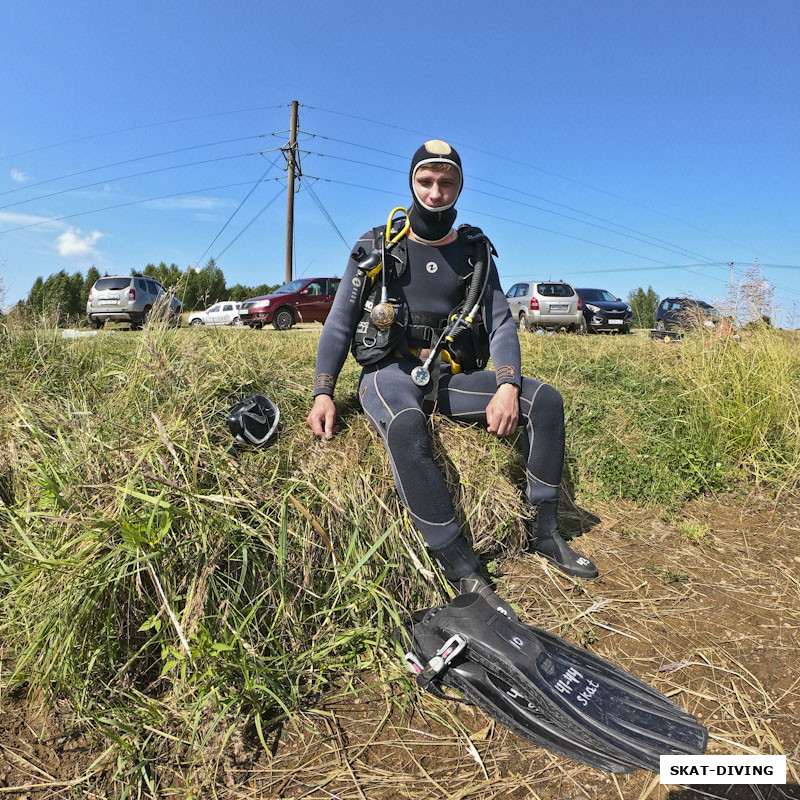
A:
[433,285]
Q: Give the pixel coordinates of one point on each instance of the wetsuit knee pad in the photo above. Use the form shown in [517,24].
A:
[548,405]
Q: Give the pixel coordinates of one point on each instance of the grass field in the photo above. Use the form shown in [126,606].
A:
[185,624]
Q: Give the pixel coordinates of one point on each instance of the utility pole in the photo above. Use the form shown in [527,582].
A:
[292,172]
[733,304]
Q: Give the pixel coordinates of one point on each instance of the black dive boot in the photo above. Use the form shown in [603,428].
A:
[461,569]
[546,541]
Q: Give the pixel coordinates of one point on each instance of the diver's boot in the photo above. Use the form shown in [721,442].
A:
[462,570]
[545,540]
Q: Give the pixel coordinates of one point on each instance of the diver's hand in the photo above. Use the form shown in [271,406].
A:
[322,416]
[503,410]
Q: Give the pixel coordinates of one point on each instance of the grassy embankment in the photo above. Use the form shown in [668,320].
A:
[125,531]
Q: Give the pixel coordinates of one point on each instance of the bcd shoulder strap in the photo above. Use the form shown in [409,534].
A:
[470,237]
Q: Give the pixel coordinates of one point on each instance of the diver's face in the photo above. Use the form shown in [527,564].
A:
[436,189]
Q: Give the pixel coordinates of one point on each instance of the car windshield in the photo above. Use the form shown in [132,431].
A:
[105,284]
[292,286]
[596,295]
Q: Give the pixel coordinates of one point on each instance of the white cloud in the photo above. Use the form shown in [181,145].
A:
[71,243]
[19,177]
[12,218]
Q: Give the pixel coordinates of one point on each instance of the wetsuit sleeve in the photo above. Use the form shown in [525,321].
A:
[503,338]
[339,327]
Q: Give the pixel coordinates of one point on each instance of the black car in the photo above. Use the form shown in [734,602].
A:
[675,313]
[604,312]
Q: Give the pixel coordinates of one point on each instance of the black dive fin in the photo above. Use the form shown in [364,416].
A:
[550,691]
[506,705]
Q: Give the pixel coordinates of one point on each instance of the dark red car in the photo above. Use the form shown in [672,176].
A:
[301,300]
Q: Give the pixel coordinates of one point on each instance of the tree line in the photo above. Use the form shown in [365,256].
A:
[65,295]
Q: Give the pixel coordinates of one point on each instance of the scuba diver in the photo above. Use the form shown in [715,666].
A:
[421,307]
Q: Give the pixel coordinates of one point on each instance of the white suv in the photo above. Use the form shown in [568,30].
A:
[546,304]
[226,313]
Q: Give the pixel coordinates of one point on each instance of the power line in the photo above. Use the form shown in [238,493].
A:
[244,200]
[131,161]
[356,161]
[681,251]
[770,266]
[354,144]
[327,215]
[516,222]
[125,177]
[140,127]
[365,119]
[587,214]
[235,238]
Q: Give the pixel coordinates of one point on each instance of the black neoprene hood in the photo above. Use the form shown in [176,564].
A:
[435,151]
[428,223]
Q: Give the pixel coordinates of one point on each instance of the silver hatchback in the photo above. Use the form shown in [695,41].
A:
[128,298]
[546,304]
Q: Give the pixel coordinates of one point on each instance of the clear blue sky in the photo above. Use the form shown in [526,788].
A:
[672,121]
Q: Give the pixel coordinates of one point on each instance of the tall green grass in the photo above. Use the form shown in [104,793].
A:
[174,595]
[658,423]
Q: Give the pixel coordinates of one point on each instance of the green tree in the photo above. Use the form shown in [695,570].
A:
[92,276]
[77,299]
[644,305]
[36,296]
[212,281]
[58,294]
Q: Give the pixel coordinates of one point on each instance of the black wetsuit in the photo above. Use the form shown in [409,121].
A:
[396,406]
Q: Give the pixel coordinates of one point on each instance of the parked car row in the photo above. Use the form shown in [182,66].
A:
[556,304]
[127,298]
[534,305]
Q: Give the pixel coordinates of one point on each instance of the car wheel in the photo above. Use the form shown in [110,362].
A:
[660,325]
[283,319]
[96,323]
[196,322]
[523,323]
[625,329]
[236,322]
[580,328]
[145,316]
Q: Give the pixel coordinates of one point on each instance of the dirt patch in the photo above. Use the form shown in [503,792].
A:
[708,613]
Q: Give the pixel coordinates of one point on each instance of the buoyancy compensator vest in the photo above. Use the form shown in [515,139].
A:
[467,349]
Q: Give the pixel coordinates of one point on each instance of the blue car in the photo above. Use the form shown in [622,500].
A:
[605,312]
